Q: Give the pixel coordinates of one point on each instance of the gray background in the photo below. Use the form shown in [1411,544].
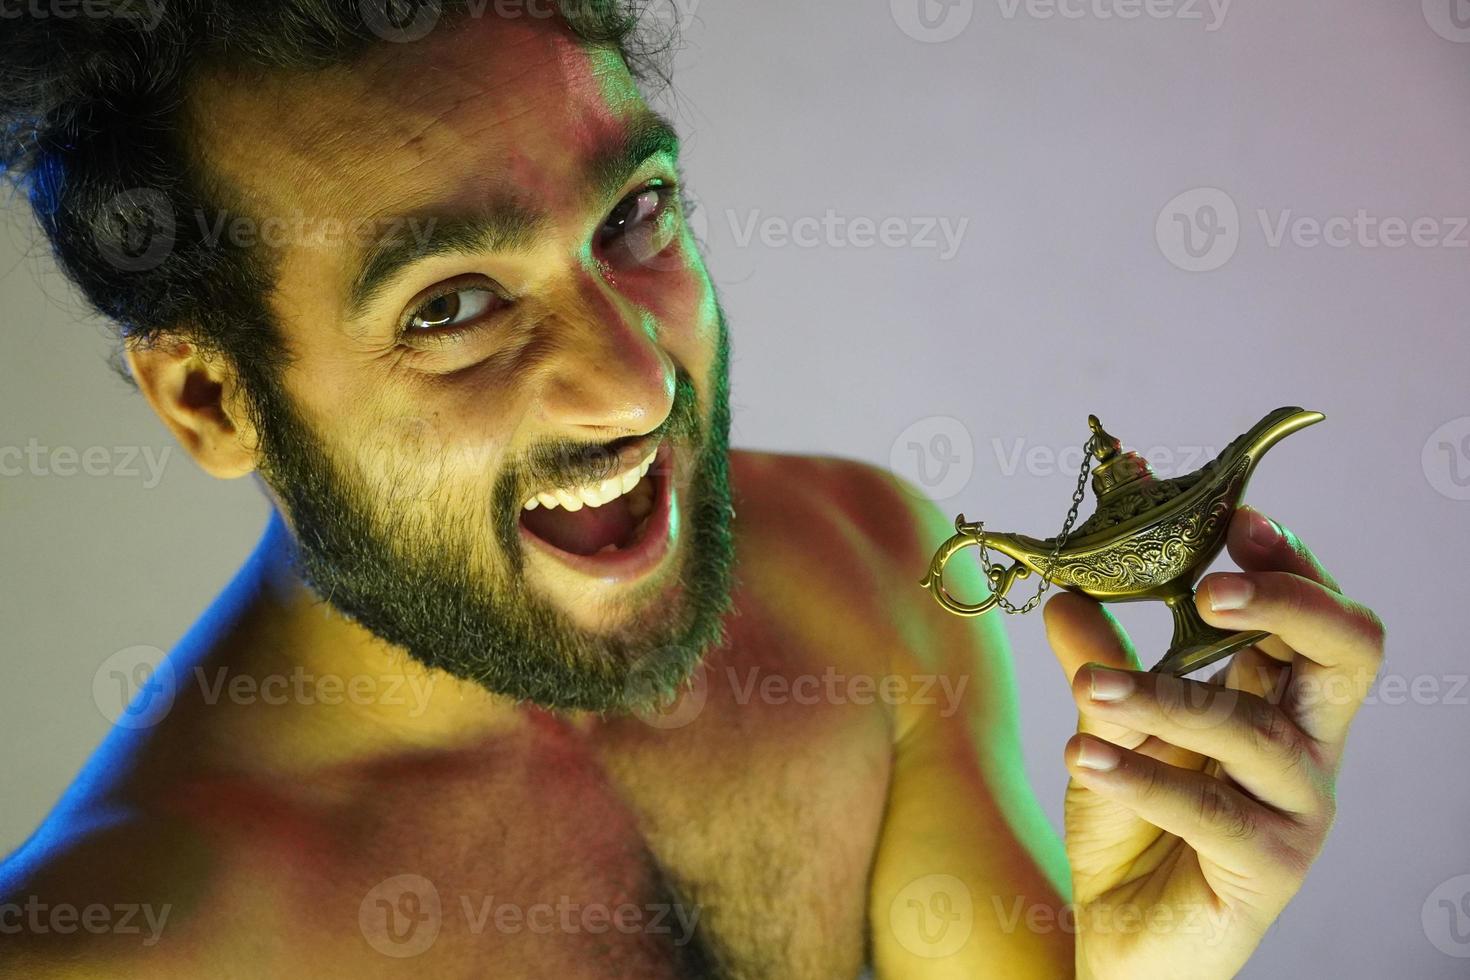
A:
[1064,142]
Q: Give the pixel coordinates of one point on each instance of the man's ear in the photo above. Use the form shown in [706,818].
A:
[199,399]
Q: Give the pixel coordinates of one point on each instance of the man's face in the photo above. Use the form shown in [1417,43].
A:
[491,298]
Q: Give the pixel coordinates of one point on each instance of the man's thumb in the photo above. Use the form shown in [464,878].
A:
[1080,632]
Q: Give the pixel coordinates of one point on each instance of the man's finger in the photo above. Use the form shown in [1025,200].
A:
[1080,632]
[1258,744]
[1257,543]
[1338,642]
[1219,821]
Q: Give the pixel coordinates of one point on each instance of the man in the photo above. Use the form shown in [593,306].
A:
[674,711]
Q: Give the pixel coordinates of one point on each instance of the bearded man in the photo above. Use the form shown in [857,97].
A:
[429,280]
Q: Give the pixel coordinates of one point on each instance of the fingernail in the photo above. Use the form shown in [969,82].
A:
[1100,756]
[1263,531]
[1228,592]
[1109,684]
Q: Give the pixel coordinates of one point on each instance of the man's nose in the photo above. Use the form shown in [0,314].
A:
[610,373]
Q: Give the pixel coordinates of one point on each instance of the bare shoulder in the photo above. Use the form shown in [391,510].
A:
[862,537]
[880,515]
[94,892]
[856,538]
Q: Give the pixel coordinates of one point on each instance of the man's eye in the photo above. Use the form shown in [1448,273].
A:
[452,308]
[635,209]
[637,222]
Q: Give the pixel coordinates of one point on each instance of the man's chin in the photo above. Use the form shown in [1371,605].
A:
[635,612]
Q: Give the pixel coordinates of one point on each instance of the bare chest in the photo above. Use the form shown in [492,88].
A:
[735,844]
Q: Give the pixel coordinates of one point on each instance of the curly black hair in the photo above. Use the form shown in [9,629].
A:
[94,132]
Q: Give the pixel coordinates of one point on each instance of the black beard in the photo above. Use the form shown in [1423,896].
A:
[419,583]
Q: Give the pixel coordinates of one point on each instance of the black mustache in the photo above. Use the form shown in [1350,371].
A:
[570,464]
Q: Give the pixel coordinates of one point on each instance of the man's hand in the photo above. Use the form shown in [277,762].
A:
[1196,807]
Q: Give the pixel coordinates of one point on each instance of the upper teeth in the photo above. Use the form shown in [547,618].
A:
[594,495]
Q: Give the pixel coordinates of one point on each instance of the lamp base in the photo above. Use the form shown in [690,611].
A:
[1191,658]
[1196,643]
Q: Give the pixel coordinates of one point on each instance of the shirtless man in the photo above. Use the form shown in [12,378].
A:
[530,676]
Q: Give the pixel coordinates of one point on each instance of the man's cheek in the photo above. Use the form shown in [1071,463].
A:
[408,448]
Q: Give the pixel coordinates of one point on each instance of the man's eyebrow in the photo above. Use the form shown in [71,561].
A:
[501,225]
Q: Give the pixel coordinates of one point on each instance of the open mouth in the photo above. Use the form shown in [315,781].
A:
[617,528]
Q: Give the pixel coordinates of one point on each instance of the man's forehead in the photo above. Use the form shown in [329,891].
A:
[489,101]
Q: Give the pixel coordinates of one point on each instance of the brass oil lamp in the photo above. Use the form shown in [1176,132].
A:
[1147,539]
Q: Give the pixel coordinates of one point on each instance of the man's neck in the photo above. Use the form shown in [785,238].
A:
[309,676]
